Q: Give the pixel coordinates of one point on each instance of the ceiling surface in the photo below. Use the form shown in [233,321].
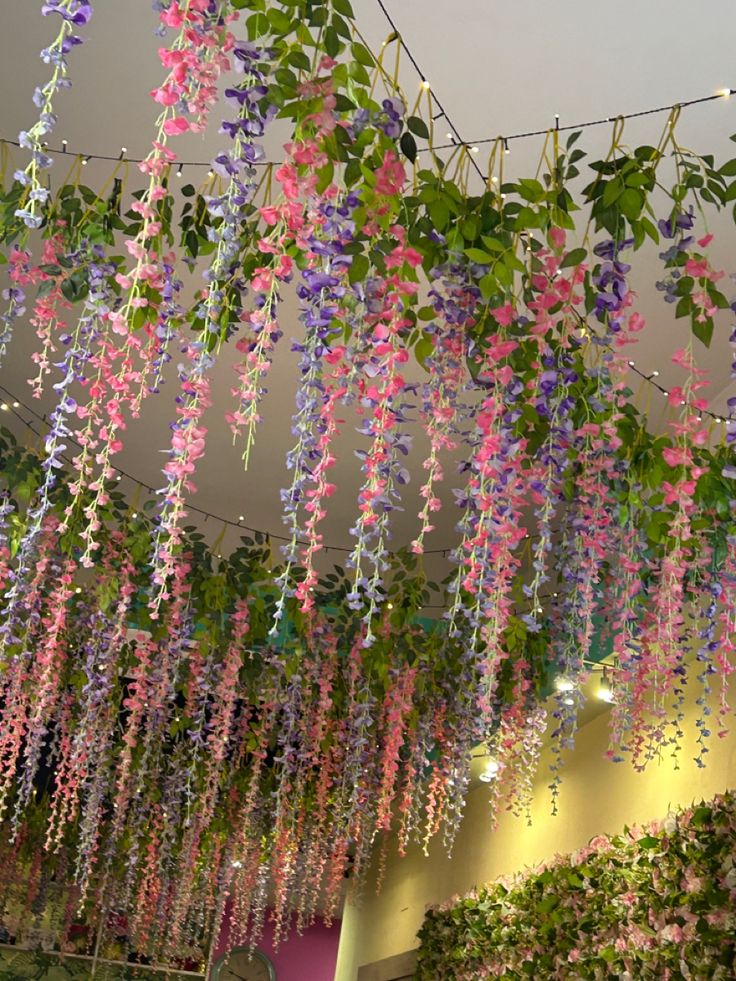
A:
[499,69]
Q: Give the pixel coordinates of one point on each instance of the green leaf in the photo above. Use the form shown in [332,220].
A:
[408,146]
[574,258]
[331,42]
[279,21]
[478,255]
[362,55]
[418,127]
[343,7]
[630,203]
[729,168]
[704,331]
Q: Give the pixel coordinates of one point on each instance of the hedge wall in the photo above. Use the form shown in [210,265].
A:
[656,902]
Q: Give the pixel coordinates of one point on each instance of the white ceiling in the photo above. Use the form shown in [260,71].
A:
[498,69]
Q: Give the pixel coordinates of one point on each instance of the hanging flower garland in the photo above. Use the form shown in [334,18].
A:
[276,723]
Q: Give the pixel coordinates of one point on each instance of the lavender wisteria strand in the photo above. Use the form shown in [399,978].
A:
[74,14]
[321,291]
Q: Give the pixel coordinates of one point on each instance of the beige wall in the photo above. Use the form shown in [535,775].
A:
[596,796]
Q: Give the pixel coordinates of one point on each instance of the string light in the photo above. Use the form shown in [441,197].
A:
[64,145]
[85,161]
[4,406]
[180,170]
[725,93]
[425,85]
[564,684]
[506,147]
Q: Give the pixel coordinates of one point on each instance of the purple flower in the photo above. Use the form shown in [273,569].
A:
[77,12]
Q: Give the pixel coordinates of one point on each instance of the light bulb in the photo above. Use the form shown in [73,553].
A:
[4,406]
[631,364]
[564,684]
[655,374]
[425,84]
[474,149]
[568,700]
[605,694]
[241,518]
[725,93]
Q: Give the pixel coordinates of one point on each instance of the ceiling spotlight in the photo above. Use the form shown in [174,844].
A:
[605,694]
[490,772]
[564,684]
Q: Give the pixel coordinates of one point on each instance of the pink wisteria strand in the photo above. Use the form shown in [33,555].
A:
[194,61]
[188,432]
[454,301]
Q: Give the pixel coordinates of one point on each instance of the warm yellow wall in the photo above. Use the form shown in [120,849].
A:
[596,796]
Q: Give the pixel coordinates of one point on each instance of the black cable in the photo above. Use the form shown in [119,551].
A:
[440,146]
[596,122]
[433,95]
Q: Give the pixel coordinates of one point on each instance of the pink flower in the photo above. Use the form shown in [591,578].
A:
[270,215]
[504,315]
[390,176]
[176,126]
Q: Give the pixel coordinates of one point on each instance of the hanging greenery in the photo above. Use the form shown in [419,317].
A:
[257,723]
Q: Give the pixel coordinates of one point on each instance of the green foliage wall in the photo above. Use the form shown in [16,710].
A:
[655,902]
